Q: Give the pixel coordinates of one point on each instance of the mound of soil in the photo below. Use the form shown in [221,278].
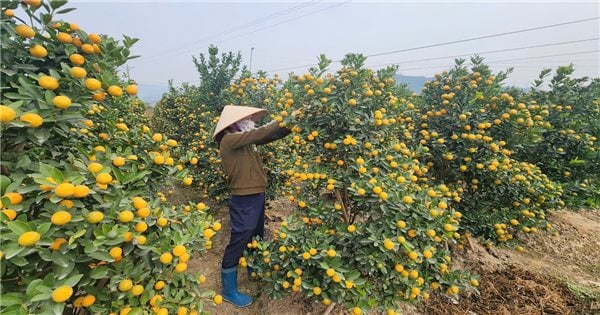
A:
[512,291]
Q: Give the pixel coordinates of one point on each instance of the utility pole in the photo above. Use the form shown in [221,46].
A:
[251,50]
[127,68]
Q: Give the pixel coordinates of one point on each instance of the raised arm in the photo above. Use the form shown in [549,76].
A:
[262,135]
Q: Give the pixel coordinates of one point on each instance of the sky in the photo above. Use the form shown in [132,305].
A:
[284,34]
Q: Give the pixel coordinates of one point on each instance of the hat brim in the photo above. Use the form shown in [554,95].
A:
[234,113]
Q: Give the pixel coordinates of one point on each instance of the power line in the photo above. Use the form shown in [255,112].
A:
[260,29]
[487,62]
[287,21]
[505,60]
[452,42]
[241,26]
[488,52]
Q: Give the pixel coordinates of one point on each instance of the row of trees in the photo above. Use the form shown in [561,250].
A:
[385,180]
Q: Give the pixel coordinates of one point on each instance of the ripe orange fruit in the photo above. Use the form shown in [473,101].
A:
[33,119]
[78,72]
[218,299]
[131,89]
[388,244]
[115,91]
[157,137]
[187,181]
[179,250]
[143,213]
[118,161]
[9,13]
[103,179]
[180,267]
[159,285]
[166,258]
[216,226]
[61,102]
[14,197]
[77,59]
[60,218]
[95,167]
[141,227]
[94,38]
[351,228]
[7,114]
[62,294]
[81,191]
[125,216]
[33,3]
[137,290]
[139,202]
[125,285]
[11,214]
[88,300]
[87,48]
[99,96]
[29,239]
[172,143]
[162,222]
[92,84]
[38,51]
[64,38]
[115,252]
[25,31]
[65,190]
[48,82]
[95,217]
[73,26]
[57,243]
[208,233]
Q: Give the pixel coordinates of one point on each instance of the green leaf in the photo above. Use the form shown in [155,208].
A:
[58,308]
[19,227]
[63,272]
[47,18]
[11,299]
[72,281]
[41,297]
[101,256]
[19,261]
[43,228]
[17,96]
[57,4]
[99,273]
[63,11]
[75,236]
[136,311]
[12,250]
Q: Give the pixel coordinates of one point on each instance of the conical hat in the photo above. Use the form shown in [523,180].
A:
[234,113]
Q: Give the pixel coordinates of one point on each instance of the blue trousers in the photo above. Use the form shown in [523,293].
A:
[247,217]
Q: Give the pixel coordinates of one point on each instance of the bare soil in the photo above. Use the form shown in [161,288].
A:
[554,275]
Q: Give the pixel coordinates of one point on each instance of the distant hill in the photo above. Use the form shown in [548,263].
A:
[415,83]
[151,94]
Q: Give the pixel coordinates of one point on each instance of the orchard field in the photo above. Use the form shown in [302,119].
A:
[472,196]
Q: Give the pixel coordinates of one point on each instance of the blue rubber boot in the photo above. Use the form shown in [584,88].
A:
[230,292]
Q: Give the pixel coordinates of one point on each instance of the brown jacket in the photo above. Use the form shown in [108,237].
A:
[242,164]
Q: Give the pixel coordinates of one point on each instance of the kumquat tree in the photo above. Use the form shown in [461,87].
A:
[84,224]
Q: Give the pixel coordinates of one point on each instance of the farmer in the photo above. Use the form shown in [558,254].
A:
[237,137]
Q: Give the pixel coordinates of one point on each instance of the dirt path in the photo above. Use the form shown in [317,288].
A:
[554,275]
[210,266]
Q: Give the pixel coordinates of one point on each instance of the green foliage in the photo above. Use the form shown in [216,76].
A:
[215,76]
[81,173]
